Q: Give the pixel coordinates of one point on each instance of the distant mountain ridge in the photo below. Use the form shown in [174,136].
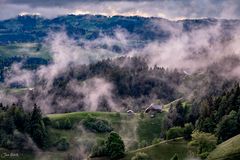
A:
[34,28]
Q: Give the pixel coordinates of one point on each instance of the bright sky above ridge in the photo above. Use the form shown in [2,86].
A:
[170,9]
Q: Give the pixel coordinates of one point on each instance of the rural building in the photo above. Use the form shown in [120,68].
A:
[130,112]
[153,109]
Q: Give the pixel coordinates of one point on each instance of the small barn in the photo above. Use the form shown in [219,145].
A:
[154,108]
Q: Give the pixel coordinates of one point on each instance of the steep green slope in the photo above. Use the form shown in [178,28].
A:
[228,150]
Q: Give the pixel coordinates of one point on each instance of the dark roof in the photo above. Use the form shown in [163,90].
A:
[154,107]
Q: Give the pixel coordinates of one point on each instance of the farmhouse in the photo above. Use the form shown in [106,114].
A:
[154,108]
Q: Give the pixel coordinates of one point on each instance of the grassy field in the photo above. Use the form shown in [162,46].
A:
[131,128]
[24,49]
[150,128]
[165,150]
[228,150]
[78,116]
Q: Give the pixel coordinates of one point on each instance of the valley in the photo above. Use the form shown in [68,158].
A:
[98,87]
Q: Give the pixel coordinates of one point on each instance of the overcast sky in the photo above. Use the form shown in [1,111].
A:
[170,9]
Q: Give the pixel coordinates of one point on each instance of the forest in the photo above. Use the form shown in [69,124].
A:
[128,87]
[204,120]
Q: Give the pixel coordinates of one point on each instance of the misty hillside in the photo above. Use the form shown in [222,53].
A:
[118,87]
[36,28]
[126,63]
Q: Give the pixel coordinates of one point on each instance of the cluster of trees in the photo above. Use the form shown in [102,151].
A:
[175,132]
[177,115]
[205,143]
[132,78]
[211,121]
[63,124]
[136,84]
[218,115]
[177,122]
[221,115]
[16,125]
[113,147]
[24,130]
[136,79]
[97,125]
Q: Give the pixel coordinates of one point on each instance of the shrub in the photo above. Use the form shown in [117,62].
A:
[115,146]
[56,125]
[228,126]
[63,124]
[205,142]
[46,121]
[20,141]
[174,132]
[68,124]
[187,131]
[99,149]
[141,156]
[63,144]
[97,125]
[204,155]
[156,140]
